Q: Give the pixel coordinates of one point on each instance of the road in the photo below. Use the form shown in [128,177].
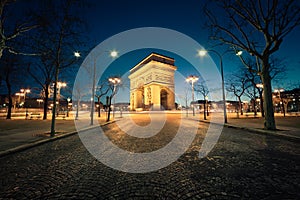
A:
[241,165]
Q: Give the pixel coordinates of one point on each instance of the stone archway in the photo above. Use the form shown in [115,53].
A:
[140,97]
[164,99]
[152,83]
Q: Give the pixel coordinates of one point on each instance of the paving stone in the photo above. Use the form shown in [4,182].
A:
[234,169]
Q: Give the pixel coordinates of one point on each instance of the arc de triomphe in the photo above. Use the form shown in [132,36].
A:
[152,83]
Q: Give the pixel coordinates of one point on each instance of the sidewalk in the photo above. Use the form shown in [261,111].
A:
[287,127]
[17,134]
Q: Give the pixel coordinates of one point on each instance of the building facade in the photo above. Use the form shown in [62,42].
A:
[152,83]
[287,101]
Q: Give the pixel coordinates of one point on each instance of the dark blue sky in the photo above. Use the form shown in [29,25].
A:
[110,17]
[107,18]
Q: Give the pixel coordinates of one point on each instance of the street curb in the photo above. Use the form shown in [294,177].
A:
[260,131]
[43,141]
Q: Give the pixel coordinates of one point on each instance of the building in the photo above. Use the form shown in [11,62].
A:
[286,101]
[217,106]
[152,83]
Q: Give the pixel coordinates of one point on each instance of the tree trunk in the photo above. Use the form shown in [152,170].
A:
[99,111]
[52,132]
[283,108]
[99,114]
[204,109]
[240,105]
[207,112]
[77,109]
[45,109]
[8,116]
[254,102]
[269,121]
[8,85]
[46,98]
[109,109]
[261,104]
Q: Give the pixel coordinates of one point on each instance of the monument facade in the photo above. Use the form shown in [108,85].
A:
[152,83]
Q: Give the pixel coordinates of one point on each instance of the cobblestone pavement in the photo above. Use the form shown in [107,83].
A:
[242,165]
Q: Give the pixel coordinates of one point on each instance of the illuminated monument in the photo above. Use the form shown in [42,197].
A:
[152,84]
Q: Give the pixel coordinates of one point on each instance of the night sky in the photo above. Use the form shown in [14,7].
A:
[106,18]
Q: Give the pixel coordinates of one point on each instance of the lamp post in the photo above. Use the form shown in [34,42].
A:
[40,101]
[113,54]
[23,92]
[68,100]
[19,98]
[26,91]
[206,101]
[115,81]
[280,98]
[77,55]
[203,53]
[59,86]
[261,86]
[56,73]
[192,79]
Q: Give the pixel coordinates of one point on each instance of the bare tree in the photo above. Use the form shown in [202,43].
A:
[184,99]
[101,90]
[255,81]
[277,73]
[113,90]
[43,75]
[11,71]
[78,93]
[237,85]
[203,89]
[56,40]
[12,29]
[258,28]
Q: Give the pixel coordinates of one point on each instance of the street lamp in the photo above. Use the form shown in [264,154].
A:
[23,92]
[76,54]
[19,99]
[206,101]
[192,79]
[59,86]
[239,53]
[115,81]
[40,101]
[203,53]
[280,98]
[261,87]
[68,100]
[113,54]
